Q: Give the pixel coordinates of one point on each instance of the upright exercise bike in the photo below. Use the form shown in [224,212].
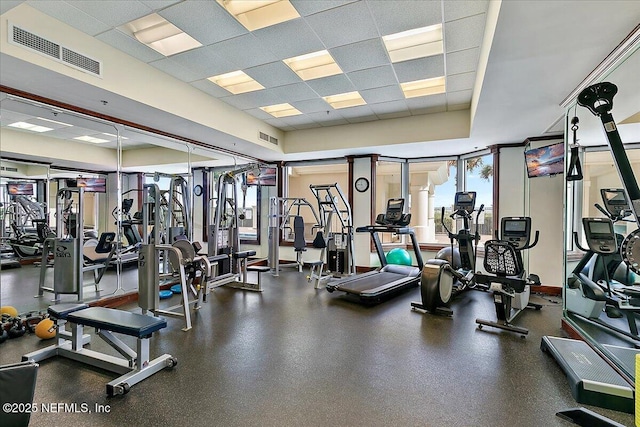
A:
[453,269]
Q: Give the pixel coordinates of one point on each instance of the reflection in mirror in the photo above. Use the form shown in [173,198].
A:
[602,289]
[83,181]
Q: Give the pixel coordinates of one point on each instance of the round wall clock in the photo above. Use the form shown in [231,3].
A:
[362,184]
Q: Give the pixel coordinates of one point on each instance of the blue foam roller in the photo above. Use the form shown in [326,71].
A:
[176,289]
[165,294]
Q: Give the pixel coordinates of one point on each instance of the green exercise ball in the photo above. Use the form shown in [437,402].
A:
[399,256]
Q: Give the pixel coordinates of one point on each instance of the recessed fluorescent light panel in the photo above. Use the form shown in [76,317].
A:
[88,138]
[344,100]
[313,65]
[416,43]
[30,126]
[423,87]
[236,82]
[260,14]
[161,35]
[281,110]
[114,136]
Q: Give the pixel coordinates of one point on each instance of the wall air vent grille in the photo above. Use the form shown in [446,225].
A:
[30,40]
[80,61]
[23,38]
[9,169]
[268,138]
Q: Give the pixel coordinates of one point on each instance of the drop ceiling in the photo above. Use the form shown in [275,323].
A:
[518,75]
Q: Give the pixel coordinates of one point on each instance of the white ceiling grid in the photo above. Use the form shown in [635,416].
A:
[350,30]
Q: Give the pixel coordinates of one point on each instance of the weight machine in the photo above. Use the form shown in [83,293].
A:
[72,254]
[229,263]
[282,223]
[335,237]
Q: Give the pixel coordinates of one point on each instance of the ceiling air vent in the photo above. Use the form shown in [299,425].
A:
[267,138]
[23,38]
[9,169]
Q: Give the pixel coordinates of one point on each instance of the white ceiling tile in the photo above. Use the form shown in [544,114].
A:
[210,88]
[130,46]
[459,97]
[113,12]
[418,69]
[175,69]
[463,8]
[373,77]
[355,112]
[363,119]
[280,124]
[399,106]
[324,119]
[396,115]
[382,94]
[273,74]
[205,21]
[360,55]
[65,12]
[294,92]
[159,4]
[415,14]
[245,51]
[312,106]
[300,121]
[205,62]
[331,85]
[344,25]
[422,102]
[306,7]
[429,110]
[464,33]
[460,81]
[7,5]
[258,113]
[290,38]
[259,98]
[463,61]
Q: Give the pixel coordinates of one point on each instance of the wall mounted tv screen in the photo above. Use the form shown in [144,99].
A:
[267,176]
[92,185]
[20,188]
[545,161]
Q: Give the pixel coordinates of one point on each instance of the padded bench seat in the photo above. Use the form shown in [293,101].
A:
[243,254]
[122,322]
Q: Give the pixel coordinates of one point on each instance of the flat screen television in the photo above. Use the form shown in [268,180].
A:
[92,185]
[267,177]
[20,188]
[545,161]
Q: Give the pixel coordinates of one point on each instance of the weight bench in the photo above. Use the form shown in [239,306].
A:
[134,366]
[258,269]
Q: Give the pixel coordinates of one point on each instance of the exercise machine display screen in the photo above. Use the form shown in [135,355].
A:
[465,200]
[600,236]
[615,200]
[394,209]
[516,231]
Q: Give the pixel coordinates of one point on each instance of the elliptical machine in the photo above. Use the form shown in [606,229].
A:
[453,269]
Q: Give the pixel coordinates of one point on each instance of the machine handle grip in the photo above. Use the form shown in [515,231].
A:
[576,241]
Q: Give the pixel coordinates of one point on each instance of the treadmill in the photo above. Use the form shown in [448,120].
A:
[375,286]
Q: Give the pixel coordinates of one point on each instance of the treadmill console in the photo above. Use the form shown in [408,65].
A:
[615,202]
[516,230]
[465,201]
[600,236]
[394,215]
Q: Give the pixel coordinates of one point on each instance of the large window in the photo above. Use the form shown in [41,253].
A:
[478,177]
[432,186]
[298,180]
[388,186]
